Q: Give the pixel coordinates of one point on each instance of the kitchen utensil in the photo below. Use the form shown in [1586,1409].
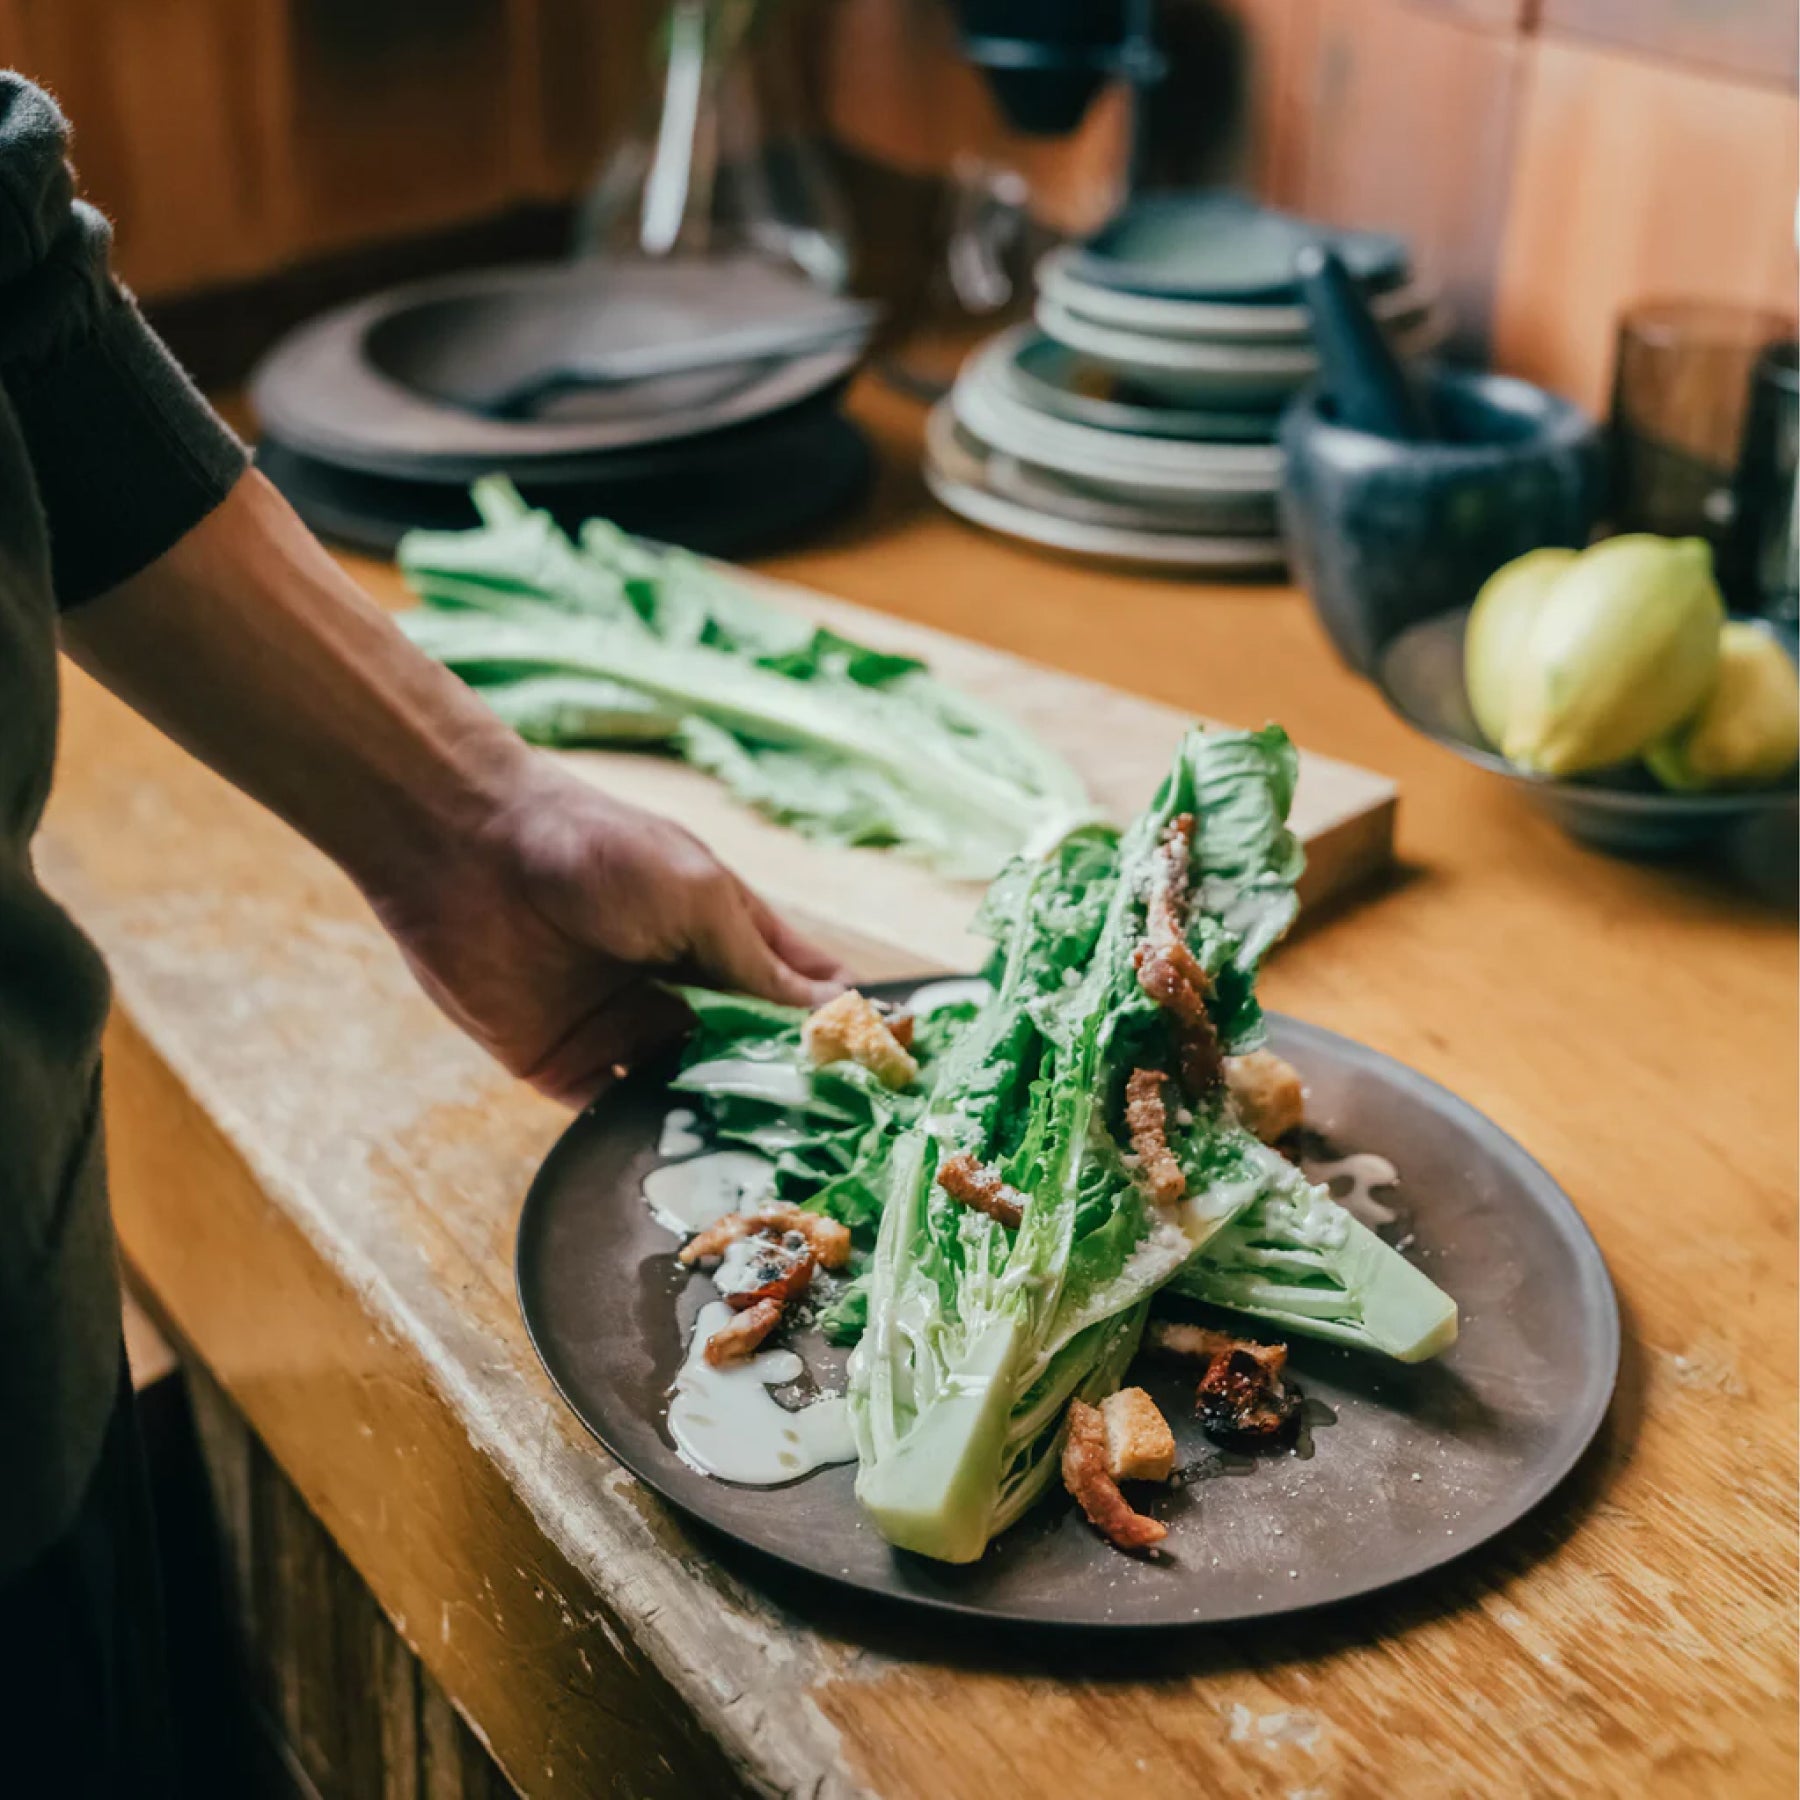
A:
[1217,246]
[1489,1430]
[1420,673]
[520,398]
[387,385]
[1681,387]
[1360,377]
[1384,533]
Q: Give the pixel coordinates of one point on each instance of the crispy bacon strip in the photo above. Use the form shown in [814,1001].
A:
[789,1276]
[1171,890]
[974,1184]
[1085,1475]
[1163,976]
[1147,1120]
[1167,969]
[1242,1396]
[734,1342]
[828,1240]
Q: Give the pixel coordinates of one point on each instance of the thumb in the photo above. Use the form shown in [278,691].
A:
[728,949]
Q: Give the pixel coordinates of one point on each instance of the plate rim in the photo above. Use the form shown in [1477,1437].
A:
[1597,1395]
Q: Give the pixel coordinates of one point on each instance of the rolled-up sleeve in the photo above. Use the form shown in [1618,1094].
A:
[125,453]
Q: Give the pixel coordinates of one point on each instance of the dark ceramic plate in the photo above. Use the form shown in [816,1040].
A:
[384,385]
[1398,1470]
[1420,674]
[736,493]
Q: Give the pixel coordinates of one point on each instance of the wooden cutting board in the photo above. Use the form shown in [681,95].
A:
[1120,744]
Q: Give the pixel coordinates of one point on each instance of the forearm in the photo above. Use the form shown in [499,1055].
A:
[250,646]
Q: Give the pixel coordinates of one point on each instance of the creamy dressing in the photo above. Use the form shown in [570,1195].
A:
[726,1423]
[679,1138]
[934,996]
[686,1197]
[779,1083]
[1364,1171]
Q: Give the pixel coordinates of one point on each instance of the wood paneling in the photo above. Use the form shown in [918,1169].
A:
[1407,122]
[1755,40]
[1637,180]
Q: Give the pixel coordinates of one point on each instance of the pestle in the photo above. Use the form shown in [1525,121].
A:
[1368,389]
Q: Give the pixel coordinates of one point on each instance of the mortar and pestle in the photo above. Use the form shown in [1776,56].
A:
[1402,494]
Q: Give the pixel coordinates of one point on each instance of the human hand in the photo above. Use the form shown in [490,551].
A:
[544,936]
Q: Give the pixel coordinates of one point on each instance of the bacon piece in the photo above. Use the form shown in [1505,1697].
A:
[900,1028]
[1147,1120]
[1167,976]
[1086,1476]
[828,1239]
[1171,890]
[734,1342]
[778,1269]
[1168,970]
[977,1185]
[1242,1396]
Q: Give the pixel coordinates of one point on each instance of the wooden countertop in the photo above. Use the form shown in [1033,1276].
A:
[317,1180]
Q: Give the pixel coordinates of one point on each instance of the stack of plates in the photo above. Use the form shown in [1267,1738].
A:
[1137,420]
[372,422]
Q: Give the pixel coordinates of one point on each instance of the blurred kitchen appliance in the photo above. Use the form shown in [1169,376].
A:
[721,165]
[1044,61]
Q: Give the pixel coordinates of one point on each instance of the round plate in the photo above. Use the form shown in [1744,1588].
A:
[1420,674]
[984,405]
[1224,247]
[1060,280]
[953,455]
[1193,373]
[737,494]
[1050,378]
[1401,1470]
[373,386]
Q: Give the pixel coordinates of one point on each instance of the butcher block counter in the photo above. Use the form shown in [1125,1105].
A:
[317,1181]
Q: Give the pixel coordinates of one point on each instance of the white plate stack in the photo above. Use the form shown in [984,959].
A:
[1135,420]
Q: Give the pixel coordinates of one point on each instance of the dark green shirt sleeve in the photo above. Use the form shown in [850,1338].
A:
[126,455]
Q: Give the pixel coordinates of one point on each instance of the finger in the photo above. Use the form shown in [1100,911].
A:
[632,1026]
[729,950]
[796,950]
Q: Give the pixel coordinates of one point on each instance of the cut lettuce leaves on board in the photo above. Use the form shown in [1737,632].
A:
[972,1337]
[608,641]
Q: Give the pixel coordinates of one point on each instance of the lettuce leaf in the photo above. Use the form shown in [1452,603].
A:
[607,641]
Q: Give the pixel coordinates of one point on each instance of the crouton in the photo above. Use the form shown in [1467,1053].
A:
[1266,1089]
[850,1029]
[1139,1444]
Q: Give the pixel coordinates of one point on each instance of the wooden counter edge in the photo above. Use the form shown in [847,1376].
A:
[545,1674]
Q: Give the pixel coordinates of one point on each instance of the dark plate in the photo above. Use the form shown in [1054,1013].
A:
[736,494]
[1211,245]
[377,385]
[1626,812]
[1400,1469]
